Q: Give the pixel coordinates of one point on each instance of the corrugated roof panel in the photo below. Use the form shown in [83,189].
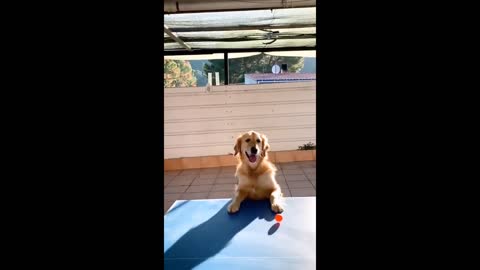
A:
[256,18]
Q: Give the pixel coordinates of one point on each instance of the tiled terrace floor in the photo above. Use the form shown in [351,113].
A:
[297,179]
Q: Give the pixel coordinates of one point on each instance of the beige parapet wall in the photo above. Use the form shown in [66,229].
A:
[201,123]
[230,160]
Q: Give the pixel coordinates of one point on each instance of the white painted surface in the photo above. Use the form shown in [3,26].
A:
[200,123]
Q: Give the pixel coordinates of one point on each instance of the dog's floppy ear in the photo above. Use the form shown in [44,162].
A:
[237,145]
[265,145]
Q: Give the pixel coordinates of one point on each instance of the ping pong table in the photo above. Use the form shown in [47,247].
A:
[200,234]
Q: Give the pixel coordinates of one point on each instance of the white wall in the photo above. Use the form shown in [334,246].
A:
[200,123]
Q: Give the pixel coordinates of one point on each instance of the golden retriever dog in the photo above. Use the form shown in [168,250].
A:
[255,174]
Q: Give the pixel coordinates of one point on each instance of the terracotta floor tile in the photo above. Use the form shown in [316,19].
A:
[300,184]
[168,176]
[223,187]
[306,164]
[210,170]
[194,196]
[283,185]
[229,169]
[206,176]
[294,177]
[292,172]
[224,175]
[310,170]
[166,182]
[286,192]
[190,172]
[182,180]
[290,166]
[312,177]
[172,196]
[226,180]
[220,194]
[302,192]
[175,189]
[174,173]
[202,188]
[205,181]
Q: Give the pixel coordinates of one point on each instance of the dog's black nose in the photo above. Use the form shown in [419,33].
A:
[254,150]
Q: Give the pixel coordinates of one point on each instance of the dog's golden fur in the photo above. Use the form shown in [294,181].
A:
[256,180]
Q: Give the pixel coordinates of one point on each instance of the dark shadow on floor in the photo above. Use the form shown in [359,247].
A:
[210,237]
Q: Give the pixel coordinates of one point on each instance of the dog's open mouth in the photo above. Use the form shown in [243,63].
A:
[251,158]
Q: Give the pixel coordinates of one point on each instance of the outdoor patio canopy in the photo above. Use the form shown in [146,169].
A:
[259,30]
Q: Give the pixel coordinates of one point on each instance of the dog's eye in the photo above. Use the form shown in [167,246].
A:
[247,140]
[258,140]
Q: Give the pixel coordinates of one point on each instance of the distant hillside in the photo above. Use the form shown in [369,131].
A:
[197,66]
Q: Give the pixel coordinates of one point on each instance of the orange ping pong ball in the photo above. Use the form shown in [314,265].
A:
[278,217]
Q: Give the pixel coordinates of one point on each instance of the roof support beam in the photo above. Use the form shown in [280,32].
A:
[247,38]
[211,51]
[174,37]
[225,65]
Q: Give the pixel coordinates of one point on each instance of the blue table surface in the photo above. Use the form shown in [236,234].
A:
[200,234]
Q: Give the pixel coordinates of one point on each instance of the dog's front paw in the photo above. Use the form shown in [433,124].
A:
[277,208]
[233,208]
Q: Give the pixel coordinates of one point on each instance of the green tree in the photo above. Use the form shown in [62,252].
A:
[261,63]
[178,73]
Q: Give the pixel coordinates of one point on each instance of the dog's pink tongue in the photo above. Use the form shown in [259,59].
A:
[252,158]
